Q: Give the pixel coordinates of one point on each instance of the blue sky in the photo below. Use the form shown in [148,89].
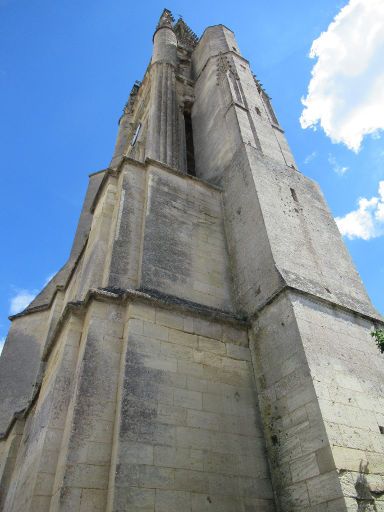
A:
[66,69]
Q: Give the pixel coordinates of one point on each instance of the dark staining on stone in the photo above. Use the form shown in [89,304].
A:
[209,499]
[365,496]
[168,235]
[123,244]
[209,311]
[274,439]
[294,195]
[126,475]
[136,415]
[19,372]
[139,400]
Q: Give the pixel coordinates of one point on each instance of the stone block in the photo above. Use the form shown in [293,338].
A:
[256,505]
[134,499]
[171,414]
[166,364]
[208,359]
[304,467]
[207,328]
[40,504]
[169,319]
[143,311]
[93,500]
[349,458]
[202,419]
[188,437]
[176,351]
[136,326]
[44,484]
[187,398]
[189,480]
[195,384]
[136,453]
[158,332]
[188,368]
[224,485]
[183,458]
[68,498]
[87,475]
[257,488]
[183,338]
[234,336]
[211,345]
[156,477]
[238,352]
[172,501]
[224,463]
[323,488]
[295,497]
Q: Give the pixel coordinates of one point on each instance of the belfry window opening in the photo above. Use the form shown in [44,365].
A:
[189,148]
[136,135]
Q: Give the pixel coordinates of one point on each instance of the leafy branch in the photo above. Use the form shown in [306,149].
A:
[379,338]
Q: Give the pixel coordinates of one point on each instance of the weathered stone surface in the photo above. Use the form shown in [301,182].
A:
[207,345]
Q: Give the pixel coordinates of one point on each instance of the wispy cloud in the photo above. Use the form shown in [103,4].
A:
[336,167]
[367,221]
[2,341]
[24,297]
[310,157]
[51,276]
[21,300]
[346,92]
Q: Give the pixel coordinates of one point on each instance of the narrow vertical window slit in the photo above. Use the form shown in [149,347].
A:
[189,143]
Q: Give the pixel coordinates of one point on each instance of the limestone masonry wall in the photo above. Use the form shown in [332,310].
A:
[145,408]
[206,348]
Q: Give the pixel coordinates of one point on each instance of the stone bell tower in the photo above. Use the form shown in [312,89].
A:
[207,346]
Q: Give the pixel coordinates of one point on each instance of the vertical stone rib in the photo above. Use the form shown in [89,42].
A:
[174,123]
[162,120]
[155,111]
[170,116]
[163,116]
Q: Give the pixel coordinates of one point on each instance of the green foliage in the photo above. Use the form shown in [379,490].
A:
[379,338]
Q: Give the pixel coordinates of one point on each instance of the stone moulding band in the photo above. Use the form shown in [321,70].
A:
[143,165]
[168,301]
[119,296]
[159,299]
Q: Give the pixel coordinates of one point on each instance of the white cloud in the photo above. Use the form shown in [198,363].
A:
[2,341]
[24,297]
[310,157]
[346,92]
[338,169]
[367,221]
[21,300]
[51,276]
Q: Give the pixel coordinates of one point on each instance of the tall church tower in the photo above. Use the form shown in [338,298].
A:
[206,348]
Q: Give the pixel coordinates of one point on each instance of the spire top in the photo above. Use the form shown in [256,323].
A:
[185,34]
[166,20]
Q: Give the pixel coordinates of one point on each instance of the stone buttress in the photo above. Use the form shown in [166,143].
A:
[207,346]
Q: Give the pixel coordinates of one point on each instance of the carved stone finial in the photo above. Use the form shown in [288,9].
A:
[166,20]
[223,67]
[128,107]
[260,86]
[185,35]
